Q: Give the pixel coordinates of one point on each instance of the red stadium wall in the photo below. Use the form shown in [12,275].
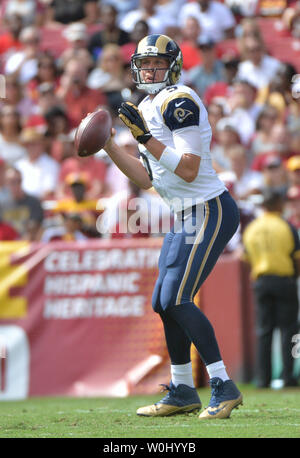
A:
[226,299]
[76,319]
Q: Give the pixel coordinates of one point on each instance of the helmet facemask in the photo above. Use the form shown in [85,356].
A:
[151,88]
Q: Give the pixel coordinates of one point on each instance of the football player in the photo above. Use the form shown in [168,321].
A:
[174,137]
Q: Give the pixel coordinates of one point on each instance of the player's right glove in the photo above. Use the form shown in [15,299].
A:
[133,118]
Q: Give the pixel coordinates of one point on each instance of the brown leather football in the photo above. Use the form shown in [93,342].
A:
[93,132]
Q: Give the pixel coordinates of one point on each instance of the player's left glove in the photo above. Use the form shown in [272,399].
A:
[133,118]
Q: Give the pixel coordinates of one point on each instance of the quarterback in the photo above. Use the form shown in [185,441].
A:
[173,132]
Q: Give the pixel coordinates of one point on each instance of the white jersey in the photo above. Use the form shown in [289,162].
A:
[177,118]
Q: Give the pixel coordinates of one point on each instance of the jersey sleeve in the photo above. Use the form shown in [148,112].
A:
[180,110]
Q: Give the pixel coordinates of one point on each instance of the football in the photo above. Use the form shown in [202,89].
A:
[93,132]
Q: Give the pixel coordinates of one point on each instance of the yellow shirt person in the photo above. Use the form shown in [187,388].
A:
[272,249]
[271,246]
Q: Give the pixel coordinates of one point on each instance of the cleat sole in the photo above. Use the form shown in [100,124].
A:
[167,410]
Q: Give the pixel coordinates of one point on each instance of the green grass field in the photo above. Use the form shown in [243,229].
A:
[265,414]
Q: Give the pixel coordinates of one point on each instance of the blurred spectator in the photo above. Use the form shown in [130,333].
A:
[249,27]
[294,141]
[77,96]
[243,109]
[4,191]
[211,69]
[77,37]
[274,172]
[109,33]
[295,25]
[61,147]
[216,20]
[262,141]
[215,112]
[169,7]
[293,168]
[10,40]
[272,249]
[57,122]
[24,63]
[243,8]
[95,171]
[58,138]
[189,45]
[248,181]
[11,149]
[140,30]
[115,179]
[293,205]
[122,6]
[26,9]
[39,171]
[227,135]
[223,89]
[157,22]
[47,99]
[17,97]
[74,10]
[257,67]
[293,111]
[79,202]
[291,20]
[47,73]
[280,138]
[23,208]
[278,92]
[108,76]
[244,96]
[69,231]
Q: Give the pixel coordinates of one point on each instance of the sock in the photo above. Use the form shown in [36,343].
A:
[182,374]
[217,370]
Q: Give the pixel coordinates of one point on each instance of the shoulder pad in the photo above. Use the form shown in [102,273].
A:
[180,110]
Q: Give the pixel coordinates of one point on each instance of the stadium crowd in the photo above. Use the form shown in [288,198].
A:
[62,60]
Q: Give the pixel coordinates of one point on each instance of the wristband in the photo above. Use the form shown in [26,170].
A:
[170,158]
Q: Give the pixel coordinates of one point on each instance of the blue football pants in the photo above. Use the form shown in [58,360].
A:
[189,253]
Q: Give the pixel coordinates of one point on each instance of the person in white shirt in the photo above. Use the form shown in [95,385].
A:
[11,150]
[24,63]
[39,171]
[258,67]
[157,21]
[24,8]
[174,136]
[216,19]
[247,181]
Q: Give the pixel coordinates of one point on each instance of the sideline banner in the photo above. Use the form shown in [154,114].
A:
[76,319]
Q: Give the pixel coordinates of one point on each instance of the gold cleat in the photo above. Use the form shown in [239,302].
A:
[180,399]
[225,397]
[223,410]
